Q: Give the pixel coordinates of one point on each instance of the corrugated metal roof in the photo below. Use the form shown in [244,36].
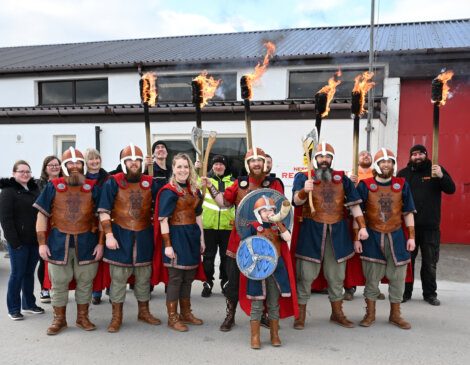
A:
[215,48]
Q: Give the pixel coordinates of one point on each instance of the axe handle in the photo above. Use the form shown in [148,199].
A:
[205,164]
[309,174]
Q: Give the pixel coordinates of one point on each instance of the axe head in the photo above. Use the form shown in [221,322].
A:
[311,138]
[197,133]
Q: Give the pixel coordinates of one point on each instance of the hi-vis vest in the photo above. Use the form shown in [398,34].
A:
[214,217]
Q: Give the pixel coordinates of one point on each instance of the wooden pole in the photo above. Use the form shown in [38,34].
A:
[249,140]
[435,135]
[147,136]
[355,144]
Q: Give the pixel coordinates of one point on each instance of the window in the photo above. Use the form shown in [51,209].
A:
[304,84]
[72,92]
[63,143]
[178,88]
[233,148]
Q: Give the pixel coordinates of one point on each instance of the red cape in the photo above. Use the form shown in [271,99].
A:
[159,271]
[288,306]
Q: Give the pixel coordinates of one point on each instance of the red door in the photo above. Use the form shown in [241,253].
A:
[415,127]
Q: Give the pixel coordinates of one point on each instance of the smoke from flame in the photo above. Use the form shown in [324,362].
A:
[362,85]
[444,77]
[260,68]
[149,89]
[330,90]
[208,86]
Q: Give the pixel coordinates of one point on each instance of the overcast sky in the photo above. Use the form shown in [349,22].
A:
[31,22]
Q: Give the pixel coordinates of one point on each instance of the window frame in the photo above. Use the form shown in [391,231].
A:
[74,91]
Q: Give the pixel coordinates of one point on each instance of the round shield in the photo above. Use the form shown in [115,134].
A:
[256,257]
[245,216]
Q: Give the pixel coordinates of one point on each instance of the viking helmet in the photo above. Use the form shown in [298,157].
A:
[263,203]
[382,155]
[133,153]
[323,149]
[72,155]
[255,153]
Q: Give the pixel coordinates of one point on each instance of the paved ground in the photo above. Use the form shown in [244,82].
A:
[440,335]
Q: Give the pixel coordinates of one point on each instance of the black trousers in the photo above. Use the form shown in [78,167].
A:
[41,272]
[215,239]
[179,284]
[428,241]
[231,290]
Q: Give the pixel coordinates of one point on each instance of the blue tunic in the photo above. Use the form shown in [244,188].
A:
[60,243]
[312,235]
[373,247]
[135,247]
[186,238]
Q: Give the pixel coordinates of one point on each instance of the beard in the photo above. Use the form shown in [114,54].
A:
[365,165]
[386,174]
[133,176]
[323,174]
[75,178]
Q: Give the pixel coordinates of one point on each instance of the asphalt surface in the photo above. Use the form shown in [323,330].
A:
[439,335]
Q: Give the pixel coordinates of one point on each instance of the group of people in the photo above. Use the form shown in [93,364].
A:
[97,230]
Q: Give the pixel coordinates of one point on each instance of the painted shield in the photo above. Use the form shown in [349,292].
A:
[256,257]
[244,216]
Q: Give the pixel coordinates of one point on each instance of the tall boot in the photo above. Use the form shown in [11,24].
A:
[395,317]
[369,317]
[299,323]
[174,321]
[187,315]
[116,320]
[145,315]
[82,318]
[274,331]
[229,320]
[59,322]
[255,340]
[338,316]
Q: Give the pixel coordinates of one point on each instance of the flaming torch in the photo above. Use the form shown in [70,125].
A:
[148,97]
[439,93]
[323,99]
[246,84]
[204,89]
[362,85]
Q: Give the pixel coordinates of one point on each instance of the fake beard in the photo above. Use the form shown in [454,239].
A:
[133,176]
[323,174]
[76,177]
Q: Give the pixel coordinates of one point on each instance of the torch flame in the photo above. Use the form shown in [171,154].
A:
[330,90]
[149,89]
[208,87]
[362,85]
[260,69]
[444,77]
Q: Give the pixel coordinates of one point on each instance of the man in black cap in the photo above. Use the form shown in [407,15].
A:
[427,182]
[218,223]
[161,170]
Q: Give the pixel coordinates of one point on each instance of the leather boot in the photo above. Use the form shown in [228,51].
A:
[116,320]
[59,322]
[229,320]
[255,340]
[145,315]
[174,321]
[395,317]
[274,330]
[82,318]
[186,314]
[338,316]
[369,317]
[299,323]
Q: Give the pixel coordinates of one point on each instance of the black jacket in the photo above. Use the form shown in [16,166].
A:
[426,192]
[17,215]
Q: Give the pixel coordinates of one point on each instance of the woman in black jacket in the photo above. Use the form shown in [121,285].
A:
[18,219]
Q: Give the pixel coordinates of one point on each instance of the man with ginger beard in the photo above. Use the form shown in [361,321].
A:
[255,160]
[323,236]
[386,199]
[125,214]
[72,248]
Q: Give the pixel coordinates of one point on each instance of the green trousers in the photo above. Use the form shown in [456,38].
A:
[375,271]
[119,276]
[307,272]
[272,302]
[61,275]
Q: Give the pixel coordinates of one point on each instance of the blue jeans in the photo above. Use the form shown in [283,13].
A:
[23,263]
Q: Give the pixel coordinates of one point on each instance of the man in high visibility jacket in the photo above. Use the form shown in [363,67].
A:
[218,223]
